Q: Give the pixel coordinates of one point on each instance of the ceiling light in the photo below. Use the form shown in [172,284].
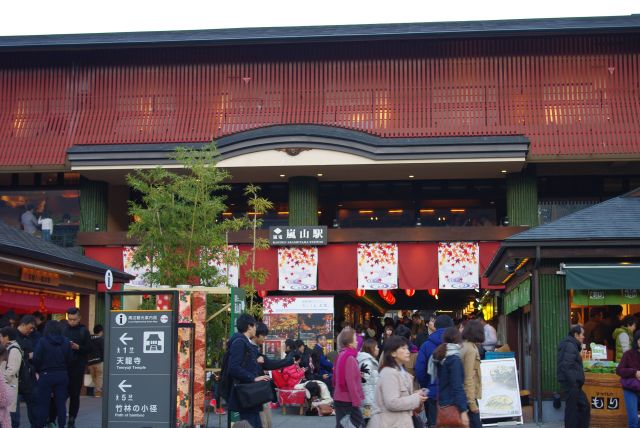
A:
[504,171]
[411,176]
[430,211]
[282,175]
[319,174]
[457,210]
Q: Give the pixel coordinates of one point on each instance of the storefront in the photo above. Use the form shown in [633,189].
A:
[583,268]
[40,276]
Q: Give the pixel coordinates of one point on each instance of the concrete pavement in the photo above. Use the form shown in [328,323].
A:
[91,411]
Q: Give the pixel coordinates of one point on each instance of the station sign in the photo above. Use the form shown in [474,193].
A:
[297,235]
[141,361]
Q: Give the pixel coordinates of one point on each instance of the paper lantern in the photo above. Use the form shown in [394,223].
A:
[263,293]
[383,293]
[360,292]
[433,292]
[409,292]
[392,299]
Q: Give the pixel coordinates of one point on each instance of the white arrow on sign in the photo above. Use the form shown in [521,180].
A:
[124,339]
[122,385]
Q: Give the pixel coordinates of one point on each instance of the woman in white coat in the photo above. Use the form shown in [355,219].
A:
[395,400]
[11,367]
[368,363]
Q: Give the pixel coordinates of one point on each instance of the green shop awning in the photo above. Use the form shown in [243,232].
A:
[518,297]
[606,297]
[603,277]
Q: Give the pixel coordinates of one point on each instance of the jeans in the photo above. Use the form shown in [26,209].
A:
[577,410]
[46,235]
[631,404]
[58,383]
[474,420]
[431,409]
[252,417]
[76,380]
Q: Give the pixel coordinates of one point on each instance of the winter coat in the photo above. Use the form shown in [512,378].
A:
[346,378]
[371,378]
[424,354]
[292,375]
[6,398]
[52,353]
[451,383]
[325,395]
[79,335]
[629,366]
[394,400]
[622,336]
[569,371]
[11,370]
[243,367]
[326,366]
[470,357]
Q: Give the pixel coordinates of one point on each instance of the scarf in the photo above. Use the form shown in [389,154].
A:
[340,379]
[452,349]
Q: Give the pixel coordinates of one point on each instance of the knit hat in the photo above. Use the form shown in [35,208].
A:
[443,321]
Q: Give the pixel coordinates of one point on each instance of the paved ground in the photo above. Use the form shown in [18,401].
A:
[91,411]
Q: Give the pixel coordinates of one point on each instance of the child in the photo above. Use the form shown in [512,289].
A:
[46,223]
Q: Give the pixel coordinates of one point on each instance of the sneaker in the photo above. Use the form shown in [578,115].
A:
[220,411]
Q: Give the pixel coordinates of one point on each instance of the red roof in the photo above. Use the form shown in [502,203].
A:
[568,106]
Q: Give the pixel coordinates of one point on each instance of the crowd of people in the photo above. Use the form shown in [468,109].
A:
[43,363]
[411,372]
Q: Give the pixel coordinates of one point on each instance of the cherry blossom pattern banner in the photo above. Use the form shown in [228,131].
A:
[297,268]
[377,266]
[229,272]
[458,265]
[137,271]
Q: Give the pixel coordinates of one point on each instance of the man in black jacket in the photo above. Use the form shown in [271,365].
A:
[571,378]
[25,339]
[80,340]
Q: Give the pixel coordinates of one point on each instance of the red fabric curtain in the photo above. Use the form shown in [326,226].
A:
[19,302]
[487,251]
[265,259]
[418,265]
[338,267]
[57,305]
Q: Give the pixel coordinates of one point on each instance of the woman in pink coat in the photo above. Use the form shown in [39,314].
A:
[348,394]
[5,393]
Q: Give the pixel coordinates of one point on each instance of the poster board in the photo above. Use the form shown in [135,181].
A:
[500,390]
[293,317]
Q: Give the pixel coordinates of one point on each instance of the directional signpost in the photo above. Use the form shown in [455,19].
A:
[141,369]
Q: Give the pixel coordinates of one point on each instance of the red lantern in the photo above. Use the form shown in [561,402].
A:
[409,292]
[383,293]
[433,292]
[263,293]
[360,292]
[392,299]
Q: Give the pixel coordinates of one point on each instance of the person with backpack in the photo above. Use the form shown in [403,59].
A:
[5,391]
[80,341]
[26,391]
[51,359]
[424,379]
[240,366]
[11,369]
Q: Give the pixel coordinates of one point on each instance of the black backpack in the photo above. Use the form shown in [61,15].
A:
[26,374]
[225,383]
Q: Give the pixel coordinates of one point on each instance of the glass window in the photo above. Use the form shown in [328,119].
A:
[62,205]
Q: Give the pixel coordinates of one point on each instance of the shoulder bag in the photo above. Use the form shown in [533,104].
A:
[253,394]
[449,416]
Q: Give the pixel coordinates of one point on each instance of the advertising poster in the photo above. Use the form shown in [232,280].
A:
[500,389]
[291,317]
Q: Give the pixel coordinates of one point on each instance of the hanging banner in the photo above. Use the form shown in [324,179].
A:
[377,266]
[458,265]
[229,273]
[292,317]
[297,268]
